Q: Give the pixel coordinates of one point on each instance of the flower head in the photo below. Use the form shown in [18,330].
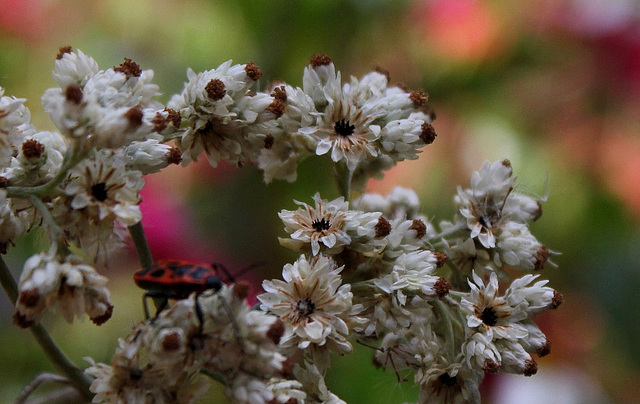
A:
[362,120]
[13,113]
[321,227]
[218,110]
[75,288]
[12,222]
[313,303]
[105,109]
[103,190]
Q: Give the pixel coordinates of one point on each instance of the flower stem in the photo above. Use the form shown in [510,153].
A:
[8,283]
[58,244]
[445,319]
[64,365]
[57,357]
[142,246]
[144,256]
[73,156]
[343,176]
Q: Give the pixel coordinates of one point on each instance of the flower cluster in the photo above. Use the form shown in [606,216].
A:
[365,124]
[74,287]
[164,359]
[82,182]
[410,292]
[491,227]
[439,302]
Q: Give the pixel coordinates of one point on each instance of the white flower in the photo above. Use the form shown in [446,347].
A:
[508,334]
[283,146]
[449,382]
[75,288]
[243,342]
[412,273]
[106,108]
[39,158]
[313,383]
[136,375]
[12,223]
[363,120]
[490,313]
[490,207]
[467,257]
[12,114]
[218,108]
[150,155]
[482,204]
[518,248]
[405,236]
[286,391]
[73,68]
[313,304]
[280,159]
[245,389]
[211,332]
[537,297]
[103,191]
[321,227]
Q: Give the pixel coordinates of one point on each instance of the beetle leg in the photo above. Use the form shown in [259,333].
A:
[199,313]
[164,302]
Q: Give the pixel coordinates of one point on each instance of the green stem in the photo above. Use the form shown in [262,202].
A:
[8,283]
[144,255]
[343,176]
[73,156]
[60,360]
[445,319]
[57,357]
[58,244]
[142,246]
[452,231]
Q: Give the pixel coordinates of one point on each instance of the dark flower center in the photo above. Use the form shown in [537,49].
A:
[320,225]
[99,191]
[485,221]
[489,316]
[344,128]
[305,307]
[447,380]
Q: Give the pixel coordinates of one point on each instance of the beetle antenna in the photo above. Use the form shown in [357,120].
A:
[232,278]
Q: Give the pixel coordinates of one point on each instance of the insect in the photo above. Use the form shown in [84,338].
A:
[177,279]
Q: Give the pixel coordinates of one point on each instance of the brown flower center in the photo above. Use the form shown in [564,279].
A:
[344,128]
[489,316]
[447,380]
[305,307]
[99,191]
[321,225]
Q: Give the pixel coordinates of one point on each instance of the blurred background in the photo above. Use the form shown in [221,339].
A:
[551,85]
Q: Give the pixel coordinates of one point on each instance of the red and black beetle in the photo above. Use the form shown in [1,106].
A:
[177,279]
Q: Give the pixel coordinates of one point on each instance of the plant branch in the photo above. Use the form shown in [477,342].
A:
[73,156]
[142,246]
[144,256]
[343,176]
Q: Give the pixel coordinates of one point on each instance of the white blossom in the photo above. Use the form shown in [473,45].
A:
[322,228]
[73,68]
[313,303]
[39,158]
[13,113]
[218,109]
[12,223]
[107,108]
[314,385]
[75,288]
[102,190]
